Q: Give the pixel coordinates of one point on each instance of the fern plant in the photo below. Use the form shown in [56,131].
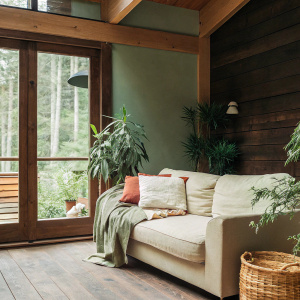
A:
[118,150]
[285,195]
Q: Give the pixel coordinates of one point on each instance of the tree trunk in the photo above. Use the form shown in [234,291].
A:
[76,104]
[9,122]
[3,129]
[57,108]
[53,99]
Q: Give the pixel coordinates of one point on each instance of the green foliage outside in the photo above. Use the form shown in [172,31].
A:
[119,149]
[58,187]
[221,153]
[285,195]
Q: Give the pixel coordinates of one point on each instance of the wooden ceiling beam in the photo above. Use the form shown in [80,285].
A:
[216,12]
[13,19]
[113,11]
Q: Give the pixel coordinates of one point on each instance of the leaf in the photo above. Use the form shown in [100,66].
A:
[94,129]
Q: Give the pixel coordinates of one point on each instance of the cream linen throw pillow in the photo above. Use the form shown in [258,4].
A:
[200,190]
[162,192]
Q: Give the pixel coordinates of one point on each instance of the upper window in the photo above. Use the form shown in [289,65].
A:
[75,8]
[16,3]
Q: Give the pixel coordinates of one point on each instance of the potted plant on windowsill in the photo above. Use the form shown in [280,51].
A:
[69,185]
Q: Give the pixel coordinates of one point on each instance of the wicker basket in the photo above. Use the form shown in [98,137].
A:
[269,275]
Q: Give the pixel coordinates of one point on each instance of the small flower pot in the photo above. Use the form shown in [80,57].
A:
[70,204]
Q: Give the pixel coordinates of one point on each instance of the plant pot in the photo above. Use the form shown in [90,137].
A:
[70,204]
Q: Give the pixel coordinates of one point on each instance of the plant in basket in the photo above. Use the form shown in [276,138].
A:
[285,194]
[270,274]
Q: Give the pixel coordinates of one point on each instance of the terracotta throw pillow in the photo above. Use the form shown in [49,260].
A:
[131,193]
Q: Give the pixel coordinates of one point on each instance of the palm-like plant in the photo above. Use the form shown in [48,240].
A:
[118,150]
[221,154]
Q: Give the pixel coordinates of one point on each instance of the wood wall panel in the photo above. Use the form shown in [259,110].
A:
[256,62]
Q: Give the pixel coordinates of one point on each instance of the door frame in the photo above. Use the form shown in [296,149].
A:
[29,227]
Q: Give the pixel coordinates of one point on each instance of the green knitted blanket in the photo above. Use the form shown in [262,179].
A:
[113,223]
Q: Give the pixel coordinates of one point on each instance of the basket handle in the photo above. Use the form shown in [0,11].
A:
[248,257]
[289,265]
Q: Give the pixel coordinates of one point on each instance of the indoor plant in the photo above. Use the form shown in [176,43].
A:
[220,153]
[285,195]
[69,185]
[118,150]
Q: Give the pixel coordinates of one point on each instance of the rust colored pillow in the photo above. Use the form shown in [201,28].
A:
[131,193]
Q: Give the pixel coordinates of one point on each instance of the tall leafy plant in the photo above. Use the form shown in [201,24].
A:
[118,150]
[285,195]
[221,156]
[220,153]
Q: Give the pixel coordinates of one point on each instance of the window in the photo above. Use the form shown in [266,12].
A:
[75,8]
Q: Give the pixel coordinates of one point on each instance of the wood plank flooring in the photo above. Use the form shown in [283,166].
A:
[58,272]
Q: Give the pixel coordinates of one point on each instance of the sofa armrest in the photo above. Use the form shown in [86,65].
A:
[228,237]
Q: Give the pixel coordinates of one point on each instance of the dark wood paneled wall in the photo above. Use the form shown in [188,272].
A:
[256,62]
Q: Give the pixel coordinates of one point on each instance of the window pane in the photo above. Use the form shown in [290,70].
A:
[9,131]
[63,114]
[9,107]
[59,182]
[76,8]
[15,3]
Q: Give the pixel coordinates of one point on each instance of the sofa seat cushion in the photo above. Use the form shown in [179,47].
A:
[181,236]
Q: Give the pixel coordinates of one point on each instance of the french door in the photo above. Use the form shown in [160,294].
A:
[45,139]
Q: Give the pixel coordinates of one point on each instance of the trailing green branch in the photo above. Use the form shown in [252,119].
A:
[285,196]
[293,147]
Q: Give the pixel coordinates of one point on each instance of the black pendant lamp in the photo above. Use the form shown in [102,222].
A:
[80,79]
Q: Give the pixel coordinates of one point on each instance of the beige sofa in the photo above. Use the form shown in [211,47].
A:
[204,247]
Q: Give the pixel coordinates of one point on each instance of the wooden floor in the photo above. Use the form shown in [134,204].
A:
[58,272]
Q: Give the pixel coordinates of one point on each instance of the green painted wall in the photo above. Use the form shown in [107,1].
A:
[154,85]
[84,9]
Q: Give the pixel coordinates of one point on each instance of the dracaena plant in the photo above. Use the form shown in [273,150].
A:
[285,195]
[118,150]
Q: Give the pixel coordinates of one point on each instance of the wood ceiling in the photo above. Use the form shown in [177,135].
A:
[190,4]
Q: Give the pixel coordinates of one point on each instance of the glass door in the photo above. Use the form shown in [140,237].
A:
[12,182]
[63,125]
[45,139]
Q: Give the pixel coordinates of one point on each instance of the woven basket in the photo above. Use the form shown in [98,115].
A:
[269,275]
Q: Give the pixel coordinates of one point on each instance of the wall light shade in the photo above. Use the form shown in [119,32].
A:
[80,79]
[232,109]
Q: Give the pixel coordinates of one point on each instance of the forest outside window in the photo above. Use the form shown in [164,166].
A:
[63,140]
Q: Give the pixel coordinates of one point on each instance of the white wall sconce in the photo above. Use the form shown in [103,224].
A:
[232,109]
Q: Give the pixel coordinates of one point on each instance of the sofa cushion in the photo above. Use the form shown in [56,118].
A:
[199,190]
[182,236]
[233,193]
[131,192]
[162,192]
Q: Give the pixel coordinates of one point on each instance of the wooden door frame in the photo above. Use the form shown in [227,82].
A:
[64,227]
[29,227]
